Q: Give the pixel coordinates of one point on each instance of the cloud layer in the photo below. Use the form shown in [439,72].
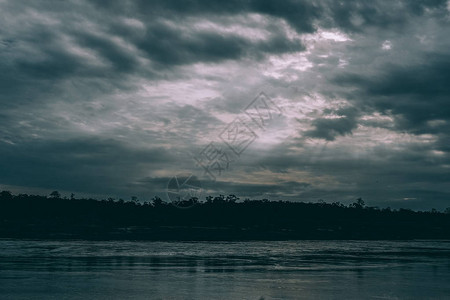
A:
[114,99]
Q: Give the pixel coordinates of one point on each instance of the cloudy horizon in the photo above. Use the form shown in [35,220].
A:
[113,100]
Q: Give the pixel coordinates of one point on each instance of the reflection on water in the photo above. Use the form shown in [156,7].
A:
[224,270]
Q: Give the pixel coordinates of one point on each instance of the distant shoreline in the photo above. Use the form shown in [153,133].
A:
[218,219]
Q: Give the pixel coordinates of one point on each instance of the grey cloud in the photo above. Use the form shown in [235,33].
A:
[414,94]
[357,16]
[300,14]
[37,59]
[85,164]
[255,191]
[304,16]
[252,190]
[170,46]
[164,45]
[330,128]
[122,60]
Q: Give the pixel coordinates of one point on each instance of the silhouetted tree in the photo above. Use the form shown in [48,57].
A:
[156,201]
[6,195]
[55,195]
[232,198]
[338,204]
[219,199]
[359,203]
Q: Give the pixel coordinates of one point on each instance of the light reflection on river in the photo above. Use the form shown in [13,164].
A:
[224,270]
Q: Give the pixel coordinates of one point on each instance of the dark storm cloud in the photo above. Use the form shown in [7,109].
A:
[414,94]
[168,46]
[84,164]
[328,128]
[300,14]
[39,56]
[121,60]
[357,16]
[384,176]
[162,43]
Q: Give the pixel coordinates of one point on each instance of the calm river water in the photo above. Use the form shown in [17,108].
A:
[224,270]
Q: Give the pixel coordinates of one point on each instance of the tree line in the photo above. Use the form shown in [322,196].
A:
[214,218]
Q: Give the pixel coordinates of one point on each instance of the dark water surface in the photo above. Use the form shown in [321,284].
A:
[224,270]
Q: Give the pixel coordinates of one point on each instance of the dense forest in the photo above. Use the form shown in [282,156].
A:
[216,218]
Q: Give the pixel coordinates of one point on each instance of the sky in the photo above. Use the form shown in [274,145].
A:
[114,99]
